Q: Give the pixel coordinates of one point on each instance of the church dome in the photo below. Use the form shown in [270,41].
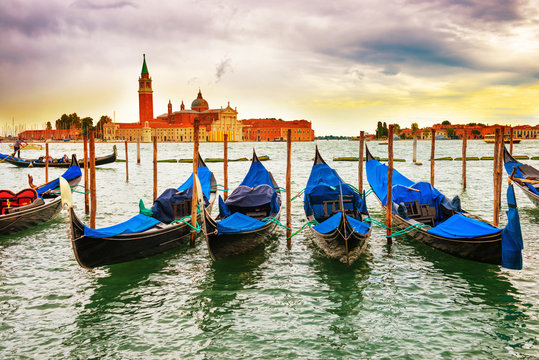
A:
[199,104]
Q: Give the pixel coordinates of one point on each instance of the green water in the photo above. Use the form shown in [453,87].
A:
[403,301]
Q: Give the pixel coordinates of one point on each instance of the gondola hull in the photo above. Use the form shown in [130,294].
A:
[25,219]
[33,163]
[335,246]
[486,249]
[221,246]
[534,198]
[95,252]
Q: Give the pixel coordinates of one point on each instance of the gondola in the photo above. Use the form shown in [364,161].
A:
[246,217]
[442,224]
[526,177]
[34,206]
[150,232]
[339,210]
[40,163]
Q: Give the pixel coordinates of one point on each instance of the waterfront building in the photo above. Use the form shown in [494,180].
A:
[276,130]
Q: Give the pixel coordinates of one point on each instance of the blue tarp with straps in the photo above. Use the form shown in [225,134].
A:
[204,176]
[238,223]
[462,227]
[136,224]
[512,243]
[71,173]
[377,178]
[333,222]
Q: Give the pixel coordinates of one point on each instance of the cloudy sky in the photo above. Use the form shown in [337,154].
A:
[344,65]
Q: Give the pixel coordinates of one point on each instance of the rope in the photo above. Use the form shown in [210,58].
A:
[313,222]
[298,195]
[374,221]
[278,188]
[195,229]
[217,186]
[368,192]
[275,221]
[397,233]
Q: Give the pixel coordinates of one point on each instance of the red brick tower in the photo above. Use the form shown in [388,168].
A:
[145,94]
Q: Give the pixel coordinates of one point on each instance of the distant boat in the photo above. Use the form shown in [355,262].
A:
[30,147]
[440,137]
[491,139]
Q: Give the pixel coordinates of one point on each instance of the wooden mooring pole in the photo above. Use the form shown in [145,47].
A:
[496,205]
[126,163]
[195,173]
[464,144]
[414,155]
[288,189]
[225,165]
[46,162]
[86,192]
[154,140]
[432,147]
[93,195]
[138,151]
[360,166]
[389,201]
[511,140]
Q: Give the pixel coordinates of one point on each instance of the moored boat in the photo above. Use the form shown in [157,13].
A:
[33,206]
[248,217]
[526,177]
[490,139]
[163,227]
[436,221]
[339,212]
[40,162]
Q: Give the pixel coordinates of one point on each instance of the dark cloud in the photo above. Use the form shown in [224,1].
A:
[482,10]
[222,67]
[29,21]
[101,5]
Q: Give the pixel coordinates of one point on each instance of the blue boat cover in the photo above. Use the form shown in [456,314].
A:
[377,178]
[245,196]
[238,223]
[136,224]
[71,173]
[512,244]
[325,184]
[509,168]
[462,227]
[204,176]
[223,209]
[257,175]
[163,206]
[333,222]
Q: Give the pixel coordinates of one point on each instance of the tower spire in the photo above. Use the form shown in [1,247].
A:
[144,67]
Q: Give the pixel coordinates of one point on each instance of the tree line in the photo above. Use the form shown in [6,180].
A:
[73,121]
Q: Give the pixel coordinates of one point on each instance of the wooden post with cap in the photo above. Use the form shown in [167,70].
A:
[126,163]
[225,165]
[194,199]
[432,145]
[414,150]
[464,145]
[288,190]
[389,198]
[46,162]
[86,192]
[360,166]
[93,195]
[154,140]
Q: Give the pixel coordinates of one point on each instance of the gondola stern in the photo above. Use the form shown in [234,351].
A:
[318,159]
[368,155]
[255,157]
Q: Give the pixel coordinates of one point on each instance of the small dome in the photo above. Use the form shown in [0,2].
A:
[199,104]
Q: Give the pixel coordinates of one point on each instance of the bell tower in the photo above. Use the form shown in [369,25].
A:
[145,94]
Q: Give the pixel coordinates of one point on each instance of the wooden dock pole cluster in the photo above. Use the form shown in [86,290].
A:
[194,199]
[225,164]
[360,167]
[154,139]
[464,145]
[288,189]
[93,199]
[126,163]
[389,201]
[86,192]
[432,147]
[46,162]
[497,173]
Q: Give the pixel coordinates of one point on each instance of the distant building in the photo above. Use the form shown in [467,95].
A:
[276,130]
[474,131]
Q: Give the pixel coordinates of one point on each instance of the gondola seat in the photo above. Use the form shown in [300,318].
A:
[9,199]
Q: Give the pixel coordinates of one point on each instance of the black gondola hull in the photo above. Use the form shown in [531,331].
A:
[534,198]
[33,163]
[224,246]
[95,252]
[335,246]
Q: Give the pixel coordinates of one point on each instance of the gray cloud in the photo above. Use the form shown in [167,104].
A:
[100,5]
[222,68]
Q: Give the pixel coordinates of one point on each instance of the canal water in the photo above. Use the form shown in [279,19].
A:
[401,301]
